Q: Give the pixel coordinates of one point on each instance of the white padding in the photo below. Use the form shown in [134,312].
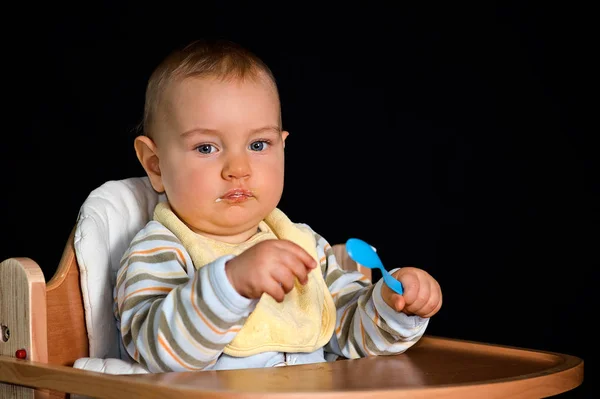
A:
[109,366]
[108,219]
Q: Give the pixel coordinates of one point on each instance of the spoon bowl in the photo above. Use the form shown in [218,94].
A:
[364,254]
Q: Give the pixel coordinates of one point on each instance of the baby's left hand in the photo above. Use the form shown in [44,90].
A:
[422,293]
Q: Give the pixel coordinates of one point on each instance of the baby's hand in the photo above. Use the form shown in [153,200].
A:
[270,267]
[422,293]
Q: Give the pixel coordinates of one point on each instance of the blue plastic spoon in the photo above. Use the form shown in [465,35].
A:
[364,254]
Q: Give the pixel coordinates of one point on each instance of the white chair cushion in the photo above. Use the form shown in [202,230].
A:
[109,366]
[108,219]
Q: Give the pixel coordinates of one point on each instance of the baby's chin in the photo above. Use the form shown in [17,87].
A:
[233,231]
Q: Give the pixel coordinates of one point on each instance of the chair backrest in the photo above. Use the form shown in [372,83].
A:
[108,220]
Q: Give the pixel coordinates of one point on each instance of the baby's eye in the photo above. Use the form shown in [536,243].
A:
[206,148]
[260,145]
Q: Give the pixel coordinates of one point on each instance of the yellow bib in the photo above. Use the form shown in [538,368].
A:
[303,322]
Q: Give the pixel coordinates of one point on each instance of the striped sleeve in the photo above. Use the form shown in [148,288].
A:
[365,324]
[170,316]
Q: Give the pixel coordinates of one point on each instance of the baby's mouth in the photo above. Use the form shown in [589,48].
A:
[235,196]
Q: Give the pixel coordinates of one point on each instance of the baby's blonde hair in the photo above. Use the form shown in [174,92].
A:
[217,58]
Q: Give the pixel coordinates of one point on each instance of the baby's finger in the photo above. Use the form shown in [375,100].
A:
[410,283]
[421,299]
[298,269]
[398,301]
[435,302]
[299,252]
[274,289]
[285,278]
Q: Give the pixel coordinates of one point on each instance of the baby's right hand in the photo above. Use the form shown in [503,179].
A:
[270,267]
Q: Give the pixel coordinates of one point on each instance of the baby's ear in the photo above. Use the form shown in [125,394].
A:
[147,154]
[284,135]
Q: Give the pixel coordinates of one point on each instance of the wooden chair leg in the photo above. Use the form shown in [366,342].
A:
[22,319]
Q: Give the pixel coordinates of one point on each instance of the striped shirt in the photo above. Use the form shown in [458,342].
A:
[172,317]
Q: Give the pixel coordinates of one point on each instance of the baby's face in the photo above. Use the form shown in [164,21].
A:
[221,154]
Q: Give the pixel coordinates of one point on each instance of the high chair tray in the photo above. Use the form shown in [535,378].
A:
[434,368]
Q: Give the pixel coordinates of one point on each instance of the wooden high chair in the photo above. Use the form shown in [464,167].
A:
[47,326]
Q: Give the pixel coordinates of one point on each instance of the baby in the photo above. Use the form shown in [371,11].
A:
[221,278]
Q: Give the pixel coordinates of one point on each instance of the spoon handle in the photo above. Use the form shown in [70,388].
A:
[391,282]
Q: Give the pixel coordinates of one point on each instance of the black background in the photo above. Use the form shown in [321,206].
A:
[455,138]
